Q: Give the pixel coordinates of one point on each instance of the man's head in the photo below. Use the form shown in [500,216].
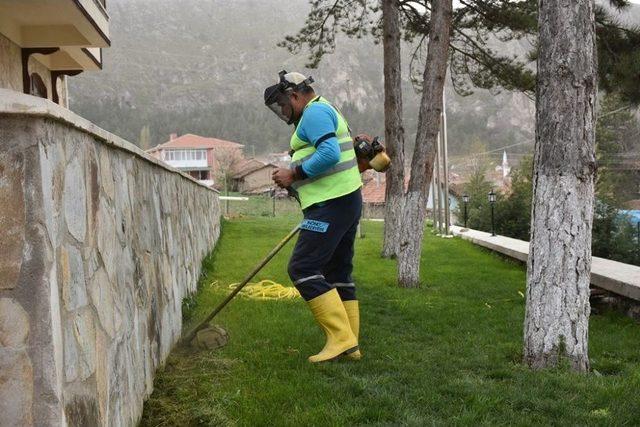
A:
[289,96]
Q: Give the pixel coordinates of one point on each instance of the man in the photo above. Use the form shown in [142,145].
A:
[325,175]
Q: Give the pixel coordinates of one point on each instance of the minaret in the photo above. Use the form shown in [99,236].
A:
[505,166]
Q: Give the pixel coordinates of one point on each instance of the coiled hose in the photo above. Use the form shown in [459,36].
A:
[267,289]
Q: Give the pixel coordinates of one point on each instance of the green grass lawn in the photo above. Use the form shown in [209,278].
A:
[447,353]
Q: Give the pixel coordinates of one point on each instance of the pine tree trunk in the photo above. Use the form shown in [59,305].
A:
[393,130]
[415,203]
[558,274]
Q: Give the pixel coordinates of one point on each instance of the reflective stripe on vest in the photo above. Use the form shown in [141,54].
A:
[341,179]
[344,146]
[337,168]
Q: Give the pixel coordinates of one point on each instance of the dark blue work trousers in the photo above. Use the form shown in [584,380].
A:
[324,260]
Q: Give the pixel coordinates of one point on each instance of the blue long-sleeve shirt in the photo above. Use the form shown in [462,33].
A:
[318,127]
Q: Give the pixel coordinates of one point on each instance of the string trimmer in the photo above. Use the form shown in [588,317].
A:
[191,335]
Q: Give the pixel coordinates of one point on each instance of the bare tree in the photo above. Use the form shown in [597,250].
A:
[224,160]
[415,203]
[394,131]
[558,273]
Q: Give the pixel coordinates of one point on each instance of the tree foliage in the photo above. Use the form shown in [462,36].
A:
[614,236]
[483,32]
[618,144]
[478,208]
[618,55]
[513,213]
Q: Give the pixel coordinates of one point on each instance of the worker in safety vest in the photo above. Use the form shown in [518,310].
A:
[325,175]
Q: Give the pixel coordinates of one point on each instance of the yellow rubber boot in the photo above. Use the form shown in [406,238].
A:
[353,313]
[332,318]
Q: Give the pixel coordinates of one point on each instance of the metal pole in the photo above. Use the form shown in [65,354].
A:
[493,228]
[445,158]
[436,194]
[465,214]
[439,186]
[638,239]
[273,208]
[433,202]
[226,191]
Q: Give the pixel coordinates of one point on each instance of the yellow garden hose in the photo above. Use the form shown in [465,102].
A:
[267,289]
[188,338]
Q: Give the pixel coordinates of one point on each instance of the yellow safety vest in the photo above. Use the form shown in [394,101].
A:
[341,179]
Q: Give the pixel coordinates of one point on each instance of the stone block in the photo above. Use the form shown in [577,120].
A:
[123,206]
[101,293]
[92,181]
[14,324]
[74,291]
[106,176]
[79,346]
[12,218]
[107,240]
[103,367]
[16,388]
[92,261]
[49,208]
[75,199]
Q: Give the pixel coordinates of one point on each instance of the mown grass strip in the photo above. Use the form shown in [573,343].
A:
[447,353]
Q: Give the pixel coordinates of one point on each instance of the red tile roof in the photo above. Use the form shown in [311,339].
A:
[195,141]
[374,188]
[374,191]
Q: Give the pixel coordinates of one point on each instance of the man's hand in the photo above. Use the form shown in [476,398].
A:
[283,177]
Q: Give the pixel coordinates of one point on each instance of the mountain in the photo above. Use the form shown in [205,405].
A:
[193,66]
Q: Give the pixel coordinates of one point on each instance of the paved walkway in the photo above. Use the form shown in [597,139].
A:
[616,277]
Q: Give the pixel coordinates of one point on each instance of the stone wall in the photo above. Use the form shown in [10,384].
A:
[100,245]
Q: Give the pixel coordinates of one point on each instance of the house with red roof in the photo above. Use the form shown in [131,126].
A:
[374,193]
[199,156]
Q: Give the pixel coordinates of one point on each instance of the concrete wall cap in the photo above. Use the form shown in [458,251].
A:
[20,104]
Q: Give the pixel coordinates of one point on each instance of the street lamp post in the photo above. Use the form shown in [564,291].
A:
[465,199]
[492,202]
[638,239]
[273,201]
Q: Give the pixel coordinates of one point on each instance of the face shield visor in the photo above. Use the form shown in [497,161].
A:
[277,97]
[278,101]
